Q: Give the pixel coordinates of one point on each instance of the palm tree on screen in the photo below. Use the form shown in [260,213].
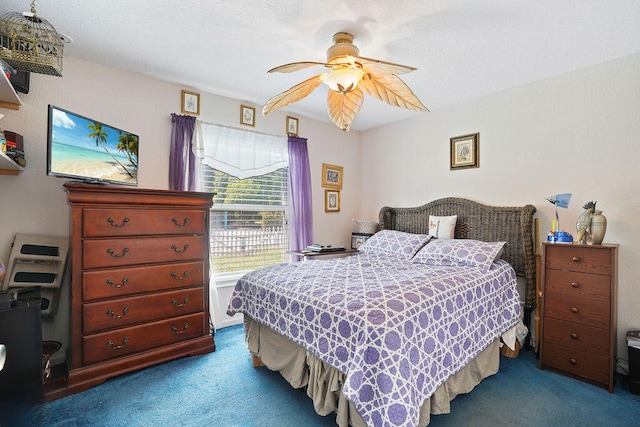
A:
[128,144]
[100,135]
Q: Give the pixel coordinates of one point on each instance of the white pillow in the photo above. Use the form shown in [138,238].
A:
[442,227]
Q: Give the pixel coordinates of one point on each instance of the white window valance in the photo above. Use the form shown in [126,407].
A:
[238,152]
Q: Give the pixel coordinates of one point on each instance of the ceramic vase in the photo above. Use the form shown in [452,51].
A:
[598,227]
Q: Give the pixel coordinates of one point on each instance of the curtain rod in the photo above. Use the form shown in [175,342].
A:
[242,129]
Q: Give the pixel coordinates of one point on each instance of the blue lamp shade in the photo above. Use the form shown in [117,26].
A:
[561,200]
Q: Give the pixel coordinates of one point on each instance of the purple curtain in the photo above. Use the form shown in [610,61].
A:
[181,158]
[300,207]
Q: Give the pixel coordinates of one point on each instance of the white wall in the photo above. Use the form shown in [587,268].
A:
[34,203]
[576,133]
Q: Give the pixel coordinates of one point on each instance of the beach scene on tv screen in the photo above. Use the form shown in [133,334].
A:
[88,149]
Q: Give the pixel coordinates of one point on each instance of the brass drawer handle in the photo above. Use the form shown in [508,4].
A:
[574,310]
[574,336]
[122,224]
[175,330]
[175,302]
[175,275]
[115,255]
[178,251]
[113,285]
[184,222]
[117,347]
[118,316]
[575,284]
[573,361]
[575,259]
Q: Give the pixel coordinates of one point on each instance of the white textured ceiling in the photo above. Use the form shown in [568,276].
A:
[462,49]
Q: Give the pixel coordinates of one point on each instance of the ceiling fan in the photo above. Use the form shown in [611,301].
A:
[350,76]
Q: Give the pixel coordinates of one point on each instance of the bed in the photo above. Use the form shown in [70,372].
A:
[394,333]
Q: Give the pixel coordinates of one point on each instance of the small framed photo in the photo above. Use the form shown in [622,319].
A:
[247,115]
[190,103]
[332,176]
[331,201]
[292,126]
[464,151]
[358,239]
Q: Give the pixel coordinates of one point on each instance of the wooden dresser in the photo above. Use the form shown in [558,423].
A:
[578,326]
[139,280]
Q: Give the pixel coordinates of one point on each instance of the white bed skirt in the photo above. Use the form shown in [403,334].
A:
[324,383]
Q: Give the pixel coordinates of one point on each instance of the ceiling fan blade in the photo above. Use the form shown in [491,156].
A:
[293,94]
[391,89]
[377,66]
[343,108]
[294,66]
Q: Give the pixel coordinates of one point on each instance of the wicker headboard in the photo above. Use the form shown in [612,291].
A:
[513,225]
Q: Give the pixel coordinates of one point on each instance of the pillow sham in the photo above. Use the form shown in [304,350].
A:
[460,252]
[395,243]
[442,227]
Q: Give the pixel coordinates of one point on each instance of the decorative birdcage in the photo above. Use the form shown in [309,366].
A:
[30,43]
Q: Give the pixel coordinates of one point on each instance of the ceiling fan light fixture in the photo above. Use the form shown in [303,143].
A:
[343,79]
[349,78]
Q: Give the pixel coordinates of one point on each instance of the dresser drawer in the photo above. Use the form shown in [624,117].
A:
[121,342]
[118,282]
[579,310]
[117,313]
[575,284]
[576,336]
[577,362]
[576,258]
[136,222]
[101,253]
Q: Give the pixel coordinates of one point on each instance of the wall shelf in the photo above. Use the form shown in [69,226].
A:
[8,96]
[8,166]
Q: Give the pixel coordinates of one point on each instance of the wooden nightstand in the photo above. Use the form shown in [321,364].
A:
[578,329]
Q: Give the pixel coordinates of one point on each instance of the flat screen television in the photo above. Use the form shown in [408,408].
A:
[86,150]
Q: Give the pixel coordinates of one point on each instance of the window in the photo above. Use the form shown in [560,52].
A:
[249,220]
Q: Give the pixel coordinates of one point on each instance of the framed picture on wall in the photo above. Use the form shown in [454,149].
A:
[331,201]
[464,151]
[190,103]
[292,126]
[332,176]
[247,115]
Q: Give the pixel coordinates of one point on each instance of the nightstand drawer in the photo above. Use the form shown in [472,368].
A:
[577,362]
[577,337]
[117,313]
[136,222]
[578,310]
[578,258]
[582,285]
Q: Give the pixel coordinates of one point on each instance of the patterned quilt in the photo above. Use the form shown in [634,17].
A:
[396,329]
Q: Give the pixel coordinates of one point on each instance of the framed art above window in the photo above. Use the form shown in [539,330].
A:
[190,103]
[247,115]
[292,126]
[464,151]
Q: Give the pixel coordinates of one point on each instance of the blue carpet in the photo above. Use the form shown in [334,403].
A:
[223,389]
